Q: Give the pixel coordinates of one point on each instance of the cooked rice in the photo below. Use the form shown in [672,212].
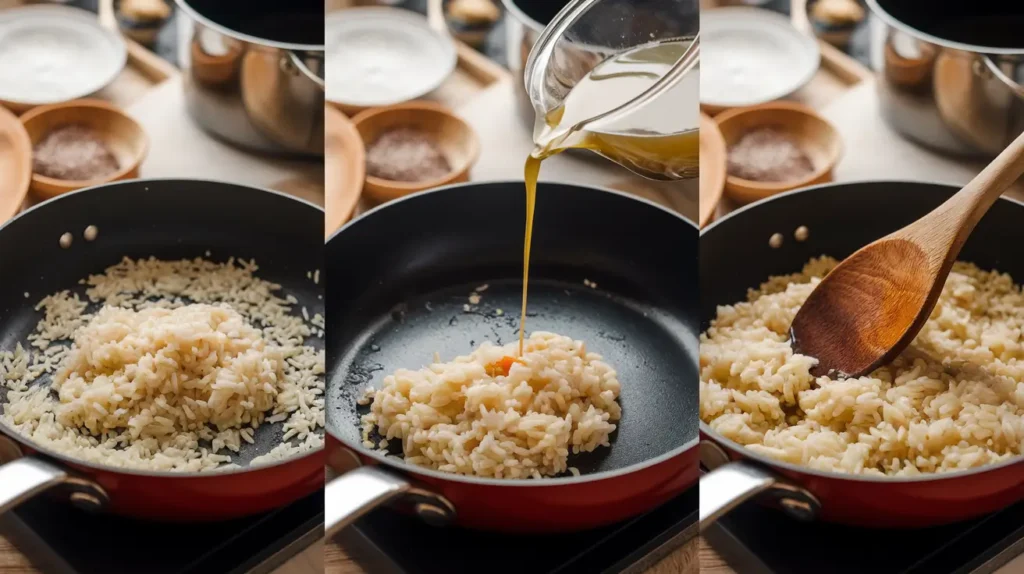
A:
[180,365]
[467,417]
[953,400]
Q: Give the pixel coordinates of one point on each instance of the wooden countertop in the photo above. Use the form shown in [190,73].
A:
[686,560]
[12,561]
[310,561]
[711,562]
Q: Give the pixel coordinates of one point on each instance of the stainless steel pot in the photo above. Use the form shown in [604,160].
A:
[940,85]
[254,77]
[524,21]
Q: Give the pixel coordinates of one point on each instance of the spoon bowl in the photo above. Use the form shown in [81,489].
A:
[872,305]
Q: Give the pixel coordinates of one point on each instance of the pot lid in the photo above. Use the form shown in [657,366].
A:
[257,40]
[928,34]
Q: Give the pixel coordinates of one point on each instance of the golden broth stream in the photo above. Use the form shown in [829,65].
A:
[660,140]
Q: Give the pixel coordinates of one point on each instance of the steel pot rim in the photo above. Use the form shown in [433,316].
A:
[893,22]
[256,41]
[513,8]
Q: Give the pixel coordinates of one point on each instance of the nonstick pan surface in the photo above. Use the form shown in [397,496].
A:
[165,219]
[735,256]
[401,276]
[399,279]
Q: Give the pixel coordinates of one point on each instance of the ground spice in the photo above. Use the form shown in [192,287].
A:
[73,152]
[405,154]
[768,154]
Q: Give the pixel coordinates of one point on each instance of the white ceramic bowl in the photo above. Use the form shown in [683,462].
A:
[52,54]
[381,56]
[750,56]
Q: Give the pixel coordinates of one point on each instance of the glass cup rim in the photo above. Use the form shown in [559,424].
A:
[544,49]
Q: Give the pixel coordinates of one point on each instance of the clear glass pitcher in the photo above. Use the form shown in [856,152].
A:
[620,78]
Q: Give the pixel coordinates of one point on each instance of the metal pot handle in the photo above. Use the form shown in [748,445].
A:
[353,494]
[993,68]
[293,64]
[24,478]
[727,486]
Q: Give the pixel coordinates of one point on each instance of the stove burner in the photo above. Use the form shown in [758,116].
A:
[61,539]
[759,540]
[387,542]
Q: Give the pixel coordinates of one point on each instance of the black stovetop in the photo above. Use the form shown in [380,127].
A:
[60,539]
[759,540]
[387,542]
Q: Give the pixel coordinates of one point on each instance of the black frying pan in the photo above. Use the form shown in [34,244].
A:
[166,219]
[401,275]
[735,256]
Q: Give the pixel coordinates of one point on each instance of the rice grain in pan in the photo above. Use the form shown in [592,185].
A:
[183,360]
[488,415]
[953,400]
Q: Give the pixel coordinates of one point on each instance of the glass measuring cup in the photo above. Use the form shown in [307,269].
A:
[619,78]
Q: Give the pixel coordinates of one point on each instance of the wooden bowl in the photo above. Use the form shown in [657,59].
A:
[123,135]
[15,165]
[712,169]
[344,168]
[471,33]
[144,32]
[457,141]
[911,72]
[837,34]
[215,70]
[815,136]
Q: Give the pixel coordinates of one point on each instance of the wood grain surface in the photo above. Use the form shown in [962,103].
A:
[12,561]
[686,560]
[711,562]
[310,561]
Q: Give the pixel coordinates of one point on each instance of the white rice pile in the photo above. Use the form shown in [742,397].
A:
[182,363]
[469,416]
[953,400]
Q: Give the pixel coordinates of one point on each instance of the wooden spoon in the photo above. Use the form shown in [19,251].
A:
[872,305]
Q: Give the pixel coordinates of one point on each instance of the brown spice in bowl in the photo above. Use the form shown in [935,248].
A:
[770,155]
[73,152]
[405,154]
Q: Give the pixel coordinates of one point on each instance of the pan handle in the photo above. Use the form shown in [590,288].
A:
[995,70]
[727,486]
[353,494]
[293,63]
[24,478]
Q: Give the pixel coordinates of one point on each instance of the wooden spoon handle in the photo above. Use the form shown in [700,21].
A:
[982,191]
[955,219]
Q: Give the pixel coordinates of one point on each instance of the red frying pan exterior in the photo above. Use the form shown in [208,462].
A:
[167,496]
[932,501]
[569,507]
[575,221]
[538,508]
[194,497]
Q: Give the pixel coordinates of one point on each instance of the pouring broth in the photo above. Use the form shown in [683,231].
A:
[659,140]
